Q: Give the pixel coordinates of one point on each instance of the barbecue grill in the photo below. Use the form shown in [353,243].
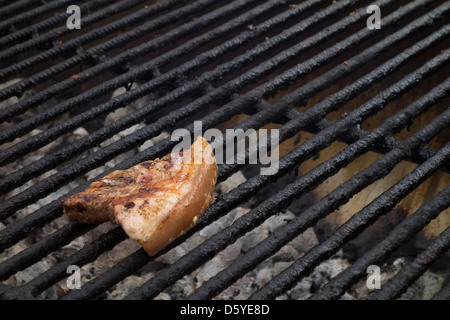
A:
[361,115]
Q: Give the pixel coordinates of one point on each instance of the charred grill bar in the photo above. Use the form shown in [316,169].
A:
[247,53]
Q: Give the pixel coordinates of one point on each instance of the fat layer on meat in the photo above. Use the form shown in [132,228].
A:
[154,201]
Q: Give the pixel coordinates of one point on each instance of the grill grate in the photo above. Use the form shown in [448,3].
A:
[275,61]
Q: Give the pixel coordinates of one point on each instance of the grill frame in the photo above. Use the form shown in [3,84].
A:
[325,133]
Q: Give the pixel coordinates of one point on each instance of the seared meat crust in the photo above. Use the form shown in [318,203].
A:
[154,201]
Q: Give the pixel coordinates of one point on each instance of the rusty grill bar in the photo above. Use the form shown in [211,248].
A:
[235,56]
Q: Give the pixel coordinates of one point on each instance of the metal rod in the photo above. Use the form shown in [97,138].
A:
[33,13]
[404,231]
[50,161]
[139,71]
[350,229]
[420,106]
[444,293]
[16,6]
[328,203]
[413,270]
[139,115]
[281,200]
[42,248]
[87,254]
[94,54]
[116,42]
[30,222]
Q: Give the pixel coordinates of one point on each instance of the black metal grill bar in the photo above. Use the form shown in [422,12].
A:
[300,95]
[334,101]
[164,279]
[50,161]
[116,273]
[29,1]
[129,265]
[12,8]
[89,253]
[404,231]
[42,248]
[32,31]
[421,105]
[139,258]
[85,255]
[412,271]
[108,278]
[170,118]
[150,86]
[136,116]
[100,32]
[139,116]
[278,202]
[331,202]
[94,54]
[51,36]
[32,14]
[13,232]
[352,228]
[382,147]
[143,89]
[3,1]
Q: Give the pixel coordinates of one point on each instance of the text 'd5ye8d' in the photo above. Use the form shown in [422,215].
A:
[226,309]
[246,309]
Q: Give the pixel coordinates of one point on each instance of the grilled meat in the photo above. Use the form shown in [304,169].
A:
[154,201]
